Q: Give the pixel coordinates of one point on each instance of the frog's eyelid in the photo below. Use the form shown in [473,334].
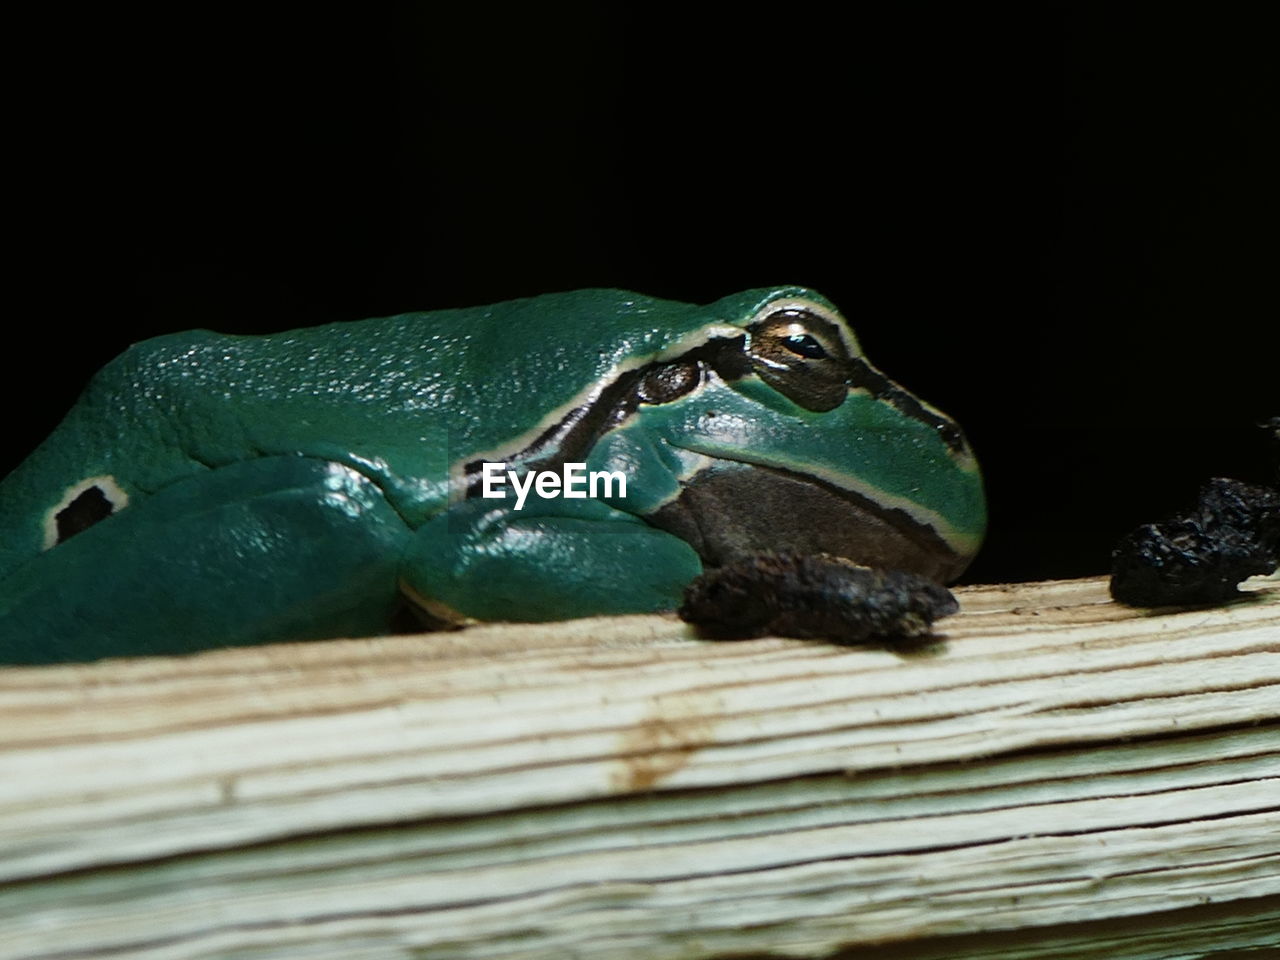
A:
[831,329]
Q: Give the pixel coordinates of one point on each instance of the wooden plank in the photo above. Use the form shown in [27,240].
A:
[616,788]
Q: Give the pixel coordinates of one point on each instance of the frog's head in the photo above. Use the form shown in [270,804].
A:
[753,423]
[787,437]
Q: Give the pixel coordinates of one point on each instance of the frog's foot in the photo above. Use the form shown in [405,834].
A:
[814,595]
[279,548]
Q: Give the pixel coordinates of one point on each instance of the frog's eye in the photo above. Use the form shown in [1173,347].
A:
[801,355]
[803,345]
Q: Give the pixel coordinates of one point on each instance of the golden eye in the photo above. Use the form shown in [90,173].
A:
[802,356]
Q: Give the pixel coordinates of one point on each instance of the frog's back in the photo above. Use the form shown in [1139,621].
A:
[399,398]
[485,373]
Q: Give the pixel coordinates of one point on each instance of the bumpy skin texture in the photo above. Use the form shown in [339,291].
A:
[210,489]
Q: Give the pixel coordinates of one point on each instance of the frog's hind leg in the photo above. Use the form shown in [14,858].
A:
[275,549]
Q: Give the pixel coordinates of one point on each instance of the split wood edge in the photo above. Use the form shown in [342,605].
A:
[614,788]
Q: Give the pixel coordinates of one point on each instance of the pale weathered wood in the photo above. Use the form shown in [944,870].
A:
[1062,776]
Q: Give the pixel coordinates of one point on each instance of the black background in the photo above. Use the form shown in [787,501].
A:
[1056,223]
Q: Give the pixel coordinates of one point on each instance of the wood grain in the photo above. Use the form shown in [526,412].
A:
[1060,776]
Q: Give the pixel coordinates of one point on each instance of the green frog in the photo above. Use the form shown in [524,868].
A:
[560,456]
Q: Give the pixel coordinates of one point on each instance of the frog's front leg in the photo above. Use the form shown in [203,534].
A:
[554,560]
[279,548]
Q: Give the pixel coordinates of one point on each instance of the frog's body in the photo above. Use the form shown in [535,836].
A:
[210,489]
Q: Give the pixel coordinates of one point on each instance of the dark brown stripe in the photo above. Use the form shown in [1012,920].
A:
[573,437]
[862,374]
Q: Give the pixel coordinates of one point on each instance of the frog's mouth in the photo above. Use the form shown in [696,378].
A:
[732,509]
